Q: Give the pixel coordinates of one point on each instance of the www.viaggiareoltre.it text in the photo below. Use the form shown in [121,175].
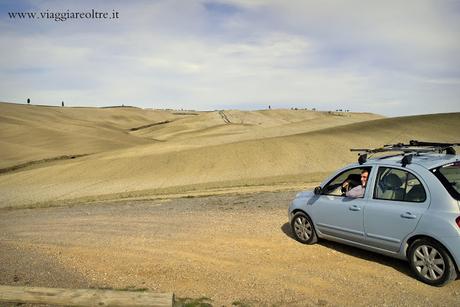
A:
[66,15]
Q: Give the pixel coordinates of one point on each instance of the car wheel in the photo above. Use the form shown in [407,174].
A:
[303,229]
[431,263]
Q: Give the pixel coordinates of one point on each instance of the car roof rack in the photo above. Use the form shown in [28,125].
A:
[408,150]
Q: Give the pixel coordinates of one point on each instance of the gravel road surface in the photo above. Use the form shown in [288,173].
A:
[232,249]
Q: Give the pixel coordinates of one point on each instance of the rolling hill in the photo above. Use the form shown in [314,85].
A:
[145,153]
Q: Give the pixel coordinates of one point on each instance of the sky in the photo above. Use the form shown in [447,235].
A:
[393,58]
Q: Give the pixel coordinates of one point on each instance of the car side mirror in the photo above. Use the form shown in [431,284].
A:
[318,191]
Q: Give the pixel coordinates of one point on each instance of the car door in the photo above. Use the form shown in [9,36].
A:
[339,216]
[399,200]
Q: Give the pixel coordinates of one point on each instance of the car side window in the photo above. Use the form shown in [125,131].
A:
[352,176]
[398,185]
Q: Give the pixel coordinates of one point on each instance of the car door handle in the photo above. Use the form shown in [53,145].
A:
[408,215]
[354,208]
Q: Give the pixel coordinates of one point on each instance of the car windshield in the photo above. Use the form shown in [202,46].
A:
[449,175]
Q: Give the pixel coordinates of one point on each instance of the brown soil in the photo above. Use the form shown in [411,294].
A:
[229,248]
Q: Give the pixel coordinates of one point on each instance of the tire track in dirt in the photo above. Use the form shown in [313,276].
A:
[224,117]
[42,161]
[151,125]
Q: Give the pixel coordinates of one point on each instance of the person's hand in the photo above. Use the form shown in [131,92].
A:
[345,187]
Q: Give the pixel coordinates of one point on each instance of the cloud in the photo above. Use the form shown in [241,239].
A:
[356,55]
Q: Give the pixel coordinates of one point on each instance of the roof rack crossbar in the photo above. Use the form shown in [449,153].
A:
[421,143]
[408,150]
[413,147]
[400,149]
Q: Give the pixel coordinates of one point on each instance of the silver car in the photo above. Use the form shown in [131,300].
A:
[410,208]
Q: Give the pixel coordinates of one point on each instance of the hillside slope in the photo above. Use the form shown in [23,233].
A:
[155,168]
[31,133]
[34,133]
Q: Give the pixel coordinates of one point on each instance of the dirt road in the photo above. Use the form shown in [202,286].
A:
[231,249]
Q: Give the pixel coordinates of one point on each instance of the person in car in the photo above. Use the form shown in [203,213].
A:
[359,190]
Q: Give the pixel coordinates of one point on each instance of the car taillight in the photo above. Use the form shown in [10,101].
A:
[458,221]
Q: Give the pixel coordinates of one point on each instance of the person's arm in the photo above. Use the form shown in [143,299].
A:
[356,192]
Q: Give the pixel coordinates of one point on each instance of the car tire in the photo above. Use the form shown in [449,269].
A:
[431,263]
[303,229]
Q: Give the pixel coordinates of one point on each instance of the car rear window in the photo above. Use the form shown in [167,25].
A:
[398,185]
[449,175]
